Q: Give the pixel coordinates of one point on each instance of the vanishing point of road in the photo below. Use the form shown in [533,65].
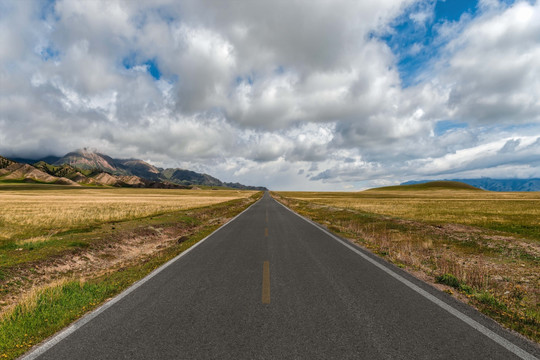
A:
[272,285]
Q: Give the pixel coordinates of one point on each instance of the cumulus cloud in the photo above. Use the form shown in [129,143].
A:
[493,67]
[283,94]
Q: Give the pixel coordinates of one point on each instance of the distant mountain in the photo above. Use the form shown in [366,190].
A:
[494,184]
[243,187]
[189,177]
[47,159]
[139,168]
[89,160]
[85,166]
[65,174]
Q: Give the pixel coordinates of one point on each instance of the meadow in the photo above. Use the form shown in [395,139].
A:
[34,213]
[517,212]
[481,247]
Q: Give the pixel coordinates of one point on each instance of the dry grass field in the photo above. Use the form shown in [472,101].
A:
[34,214]
[517,213]
[482,247]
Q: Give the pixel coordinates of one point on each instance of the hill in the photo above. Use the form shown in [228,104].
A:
[494,184]
[432,185]
[5,162]
[14,171]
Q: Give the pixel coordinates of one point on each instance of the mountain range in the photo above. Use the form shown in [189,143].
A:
[88,167]
[494,184]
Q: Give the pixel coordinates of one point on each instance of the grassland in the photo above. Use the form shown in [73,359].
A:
[65,250]
[32,214]
[516,213]
[482,247]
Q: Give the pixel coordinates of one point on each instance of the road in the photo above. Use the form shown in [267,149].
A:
[271,285]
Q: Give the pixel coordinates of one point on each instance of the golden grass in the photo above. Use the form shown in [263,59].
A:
[514,212]
[33,215]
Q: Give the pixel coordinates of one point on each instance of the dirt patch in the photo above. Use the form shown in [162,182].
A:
[108,255]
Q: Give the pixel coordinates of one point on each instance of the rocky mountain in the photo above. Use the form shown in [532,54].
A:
[85,166]
[495,184]
[139,168]
[65,174]
[189,177]
[89,160]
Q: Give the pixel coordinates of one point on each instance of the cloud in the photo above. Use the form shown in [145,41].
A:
[255,91]
[493,67]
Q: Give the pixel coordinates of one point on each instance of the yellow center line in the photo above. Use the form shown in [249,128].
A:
[265,231]
[266,283]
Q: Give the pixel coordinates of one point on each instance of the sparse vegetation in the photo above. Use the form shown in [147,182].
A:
[76,247]
[516,213]
[452,281]
[485,246]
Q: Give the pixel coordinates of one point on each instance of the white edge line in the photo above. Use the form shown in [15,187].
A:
[468,320]
[55,339]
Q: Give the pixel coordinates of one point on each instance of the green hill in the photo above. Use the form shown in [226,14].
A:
[432,185]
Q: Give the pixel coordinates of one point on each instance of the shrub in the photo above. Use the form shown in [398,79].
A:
[466,289]
[488,299]
[448,279]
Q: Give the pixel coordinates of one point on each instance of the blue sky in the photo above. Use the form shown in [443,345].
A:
[151,65]
[312,95]
[414,34]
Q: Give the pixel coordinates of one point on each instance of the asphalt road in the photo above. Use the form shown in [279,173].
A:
[270,285]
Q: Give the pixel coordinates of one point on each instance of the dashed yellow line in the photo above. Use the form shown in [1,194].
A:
[265,231]
[266,283]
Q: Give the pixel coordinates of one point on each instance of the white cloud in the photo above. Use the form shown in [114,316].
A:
[493,71]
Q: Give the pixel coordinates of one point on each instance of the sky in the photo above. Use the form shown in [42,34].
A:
[294,95]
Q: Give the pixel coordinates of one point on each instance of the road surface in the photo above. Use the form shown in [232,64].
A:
[271,285]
